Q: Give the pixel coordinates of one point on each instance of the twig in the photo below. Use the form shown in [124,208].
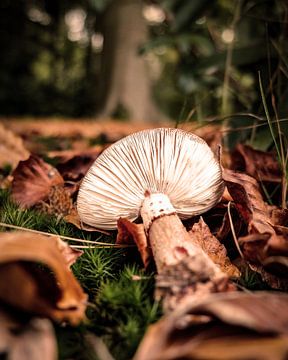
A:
[118,246]
[233,230]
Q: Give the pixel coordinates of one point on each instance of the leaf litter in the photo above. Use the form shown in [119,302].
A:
[230,325]
[36,283]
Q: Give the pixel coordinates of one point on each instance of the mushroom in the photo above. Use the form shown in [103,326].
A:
[162,175]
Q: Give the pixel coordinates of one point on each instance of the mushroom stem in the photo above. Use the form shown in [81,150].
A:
[183,267]
[171,243]
[168,238]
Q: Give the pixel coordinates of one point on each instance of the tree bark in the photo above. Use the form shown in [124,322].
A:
[125,79]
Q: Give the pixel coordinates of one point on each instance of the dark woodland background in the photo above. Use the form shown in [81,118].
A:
[143,60]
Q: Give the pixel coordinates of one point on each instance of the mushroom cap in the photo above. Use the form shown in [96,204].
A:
[174,162]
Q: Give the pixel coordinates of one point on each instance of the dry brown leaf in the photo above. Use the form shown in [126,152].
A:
[33,181]
[224,233]
[75,166]
[262,241]
[55,294]
[30,340]
[70,255]
[12,149]
[279,217]
[261,165]
[241,326]
[248,199]
[130,233]
[212,247]
[275,282]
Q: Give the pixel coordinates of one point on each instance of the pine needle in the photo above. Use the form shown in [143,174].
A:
[66,237]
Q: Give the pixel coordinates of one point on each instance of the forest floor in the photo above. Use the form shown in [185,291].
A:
[107,307]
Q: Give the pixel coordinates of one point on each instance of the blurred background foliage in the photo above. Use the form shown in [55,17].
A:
[203,56]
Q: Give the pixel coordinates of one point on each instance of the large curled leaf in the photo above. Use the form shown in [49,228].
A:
[238,326]
[26,284]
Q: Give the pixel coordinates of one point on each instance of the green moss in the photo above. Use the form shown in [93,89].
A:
[124,308]
[251,280]
[72,343]
[96,266]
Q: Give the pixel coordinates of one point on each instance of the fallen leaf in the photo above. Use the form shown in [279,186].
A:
[75,166]
[32,339]
[12,149]
[70,255]
[213,248]
[279,217]
[33,181]
[248,199]
[130,233]
[27,286]
[224,233]
[238,326]
[261,165]
[262,240]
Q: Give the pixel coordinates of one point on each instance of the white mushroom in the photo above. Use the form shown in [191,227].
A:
[176,165]
[157,174]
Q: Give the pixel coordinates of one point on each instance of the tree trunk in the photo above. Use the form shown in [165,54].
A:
[125,81]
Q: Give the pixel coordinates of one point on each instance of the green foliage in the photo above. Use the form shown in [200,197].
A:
[120,313]
[43,71]
[209,54]
[251,280]
[97,266]
[185,11]
[126,308]
[217,53]
[11,214]
[100,5]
